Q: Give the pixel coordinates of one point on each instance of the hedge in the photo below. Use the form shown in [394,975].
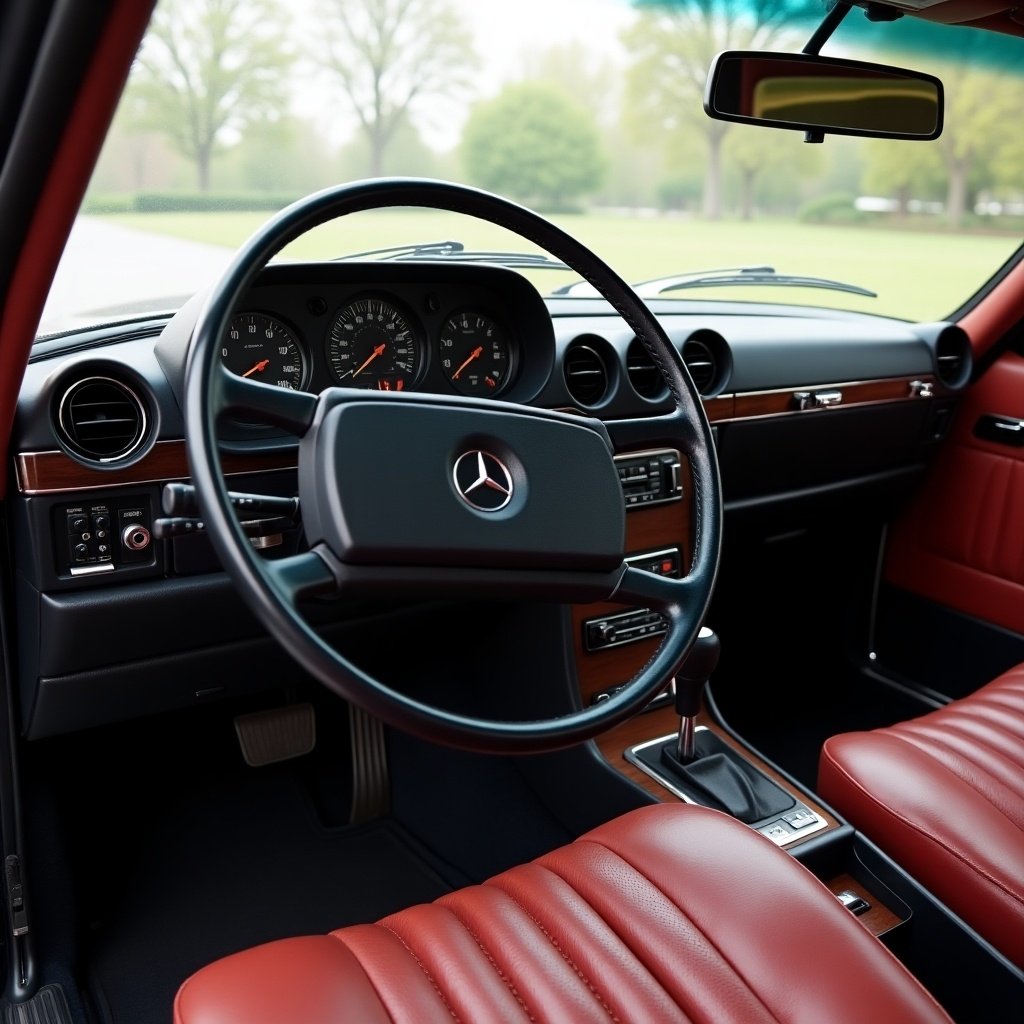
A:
[187,202]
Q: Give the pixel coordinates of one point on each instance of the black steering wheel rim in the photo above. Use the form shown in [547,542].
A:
[683,602]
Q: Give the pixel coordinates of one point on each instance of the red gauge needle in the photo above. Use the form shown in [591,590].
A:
[475,354]
[258,368]
[378,351]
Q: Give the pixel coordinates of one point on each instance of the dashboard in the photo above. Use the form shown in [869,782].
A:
[815,412]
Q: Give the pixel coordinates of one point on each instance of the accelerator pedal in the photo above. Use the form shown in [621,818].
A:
[278,734]
[47,1006]
[371,787]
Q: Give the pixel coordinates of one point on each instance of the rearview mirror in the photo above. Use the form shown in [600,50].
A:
[823,95]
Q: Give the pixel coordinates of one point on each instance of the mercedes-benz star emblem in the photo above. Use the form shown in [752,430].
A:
[483,481]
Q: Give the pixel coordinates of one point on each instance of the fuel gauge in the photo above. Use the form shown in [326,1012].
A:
[475,354]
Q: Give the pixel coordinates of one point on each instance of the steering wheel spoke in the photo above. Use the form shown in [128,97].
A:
[253,401]
[306,574]
[662,593]
[667,429]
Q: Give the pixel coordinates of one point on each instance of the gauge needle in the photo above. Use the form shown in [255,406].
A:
[258,368]
[378,351]
[475,354]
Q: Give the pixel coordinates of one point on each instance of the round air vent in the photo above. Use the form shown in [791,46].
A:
[586,375]
[953,357]
[709,360]
[645,377]
[101,419]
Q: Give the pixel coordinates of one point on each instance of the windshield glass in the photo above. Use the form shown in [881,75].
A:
[589,111]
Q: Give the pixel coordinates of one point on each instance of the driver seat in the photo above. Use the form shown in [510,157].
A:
[670,913]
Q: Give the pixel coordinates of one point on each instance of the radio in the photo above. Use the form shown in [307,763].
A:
[650,478]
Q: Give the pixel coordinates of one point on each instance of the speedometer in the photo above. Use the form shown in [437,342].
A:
[264,348]
[373,343]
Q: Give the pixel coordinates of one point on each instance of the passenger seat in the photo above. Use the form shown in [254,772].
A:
[943,794]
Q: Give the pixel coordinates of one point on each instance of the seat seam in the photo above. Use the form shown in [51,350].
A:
[509,984]
[422,966]
[554,942]
[958,721]
[919,745]
[654,885]
[979,869]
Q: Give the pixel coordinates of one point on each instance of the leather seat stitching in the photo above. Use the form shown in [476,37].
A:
[565,956]
[950,721]
[654,885]
[977,868]
[509,984]
[423,967]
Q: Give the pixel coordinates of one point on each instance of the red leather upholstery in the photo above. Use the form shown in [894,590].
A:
[944,795]
[670,913]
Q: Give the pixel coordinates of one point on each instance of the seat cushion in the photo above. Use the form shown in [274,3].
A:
[670,913]
[943,795]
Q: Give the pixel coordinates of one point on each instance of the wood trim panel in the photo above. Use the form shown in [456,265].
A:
[720,408]
[652,724]
[855,393]
[647,529]
[52,472]
[879,919]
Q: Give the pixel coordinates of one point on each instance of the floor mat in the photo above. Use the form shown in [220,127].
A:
[240,864]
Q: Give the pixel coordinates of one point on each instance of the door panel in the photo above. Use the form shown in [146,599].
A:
[961,541]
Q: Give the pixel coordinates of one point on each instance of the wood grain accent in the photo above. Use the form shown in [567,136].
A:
[856,393]
[720,408]
[647,529]
[652,724]
[52,472]
[879,919]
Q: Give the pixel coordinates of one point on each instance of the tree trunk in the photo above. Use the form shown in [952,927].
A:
[956,193]
[749,175]
[713,178]
[903,200]
[377,144]
[203,169]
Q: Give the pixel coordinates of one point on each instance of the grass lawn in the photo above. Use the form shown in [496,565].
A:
[920,275]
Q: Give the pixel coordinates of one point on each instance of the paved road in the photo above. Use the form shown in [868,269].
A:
[109,267]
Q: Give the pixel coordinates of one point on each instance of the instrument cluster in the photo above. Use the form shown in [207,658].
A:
[388,327]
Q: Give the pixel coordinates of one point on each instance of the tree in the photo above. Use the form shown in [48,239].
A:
[535,143]
[672,46]
[902,170]
[753,151]
[208,68]
[389,56]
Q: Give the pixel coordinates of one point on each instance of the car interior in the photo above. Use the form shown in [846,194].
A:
[502,655]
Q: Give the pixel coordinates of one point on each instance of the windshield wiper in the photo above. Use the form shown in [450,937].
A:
[722,277]
[456,252]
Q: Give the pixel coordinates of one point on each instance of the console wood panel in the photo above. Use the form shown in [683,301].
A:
[879,919]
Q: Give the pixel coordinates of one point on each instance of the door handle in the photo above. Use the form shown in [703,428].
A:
[1001,429]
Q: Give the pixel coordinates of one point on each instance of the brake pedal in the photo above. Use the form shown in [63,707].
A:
[276,735]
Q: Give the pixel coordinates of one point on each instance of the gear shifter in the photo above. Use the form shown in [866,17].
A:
[690,682]
[701,764]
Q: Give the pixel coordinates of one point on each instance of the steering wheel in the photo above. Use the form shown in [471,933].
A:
[510,501]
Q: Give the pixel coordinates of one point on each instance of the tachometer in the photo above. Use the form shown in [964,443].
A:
[475,354]
[372,343]
[264,348]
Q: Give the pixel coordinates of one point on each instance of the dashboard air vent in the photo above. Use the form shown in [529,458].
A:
[645,377]
[701,362]
[101,419]
[953,357]
[586,375]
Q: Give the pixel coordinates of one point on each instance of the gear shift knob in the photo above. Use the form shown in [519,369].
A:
[690,682]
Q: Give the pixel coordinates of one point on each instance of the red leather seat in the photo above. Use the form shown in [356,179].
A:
[943,795]
[670,913]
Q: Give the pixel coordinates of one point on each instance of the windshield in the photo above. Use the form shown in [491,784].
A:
[589,111]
